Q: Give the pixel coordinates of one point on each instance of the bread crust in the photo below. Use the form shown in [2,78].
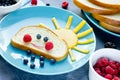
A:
[112,6]
[39,52]
[94,10]
[115,29]
[106,19]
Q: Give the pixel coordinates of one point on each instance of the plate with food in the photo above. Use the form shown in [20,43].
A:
[108,28]
[40,40]
[103,14]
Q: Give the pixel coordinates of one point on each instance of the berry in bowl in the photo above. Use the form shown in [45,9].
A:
[104,64]
[7,6]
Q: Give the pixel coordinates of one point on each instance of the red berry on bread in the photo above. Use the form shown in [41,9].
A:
[27,38]
[49,45]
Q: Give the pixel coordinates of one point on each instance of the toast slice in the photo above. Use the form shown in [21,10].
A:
[113,19]
[107,3]
[92,8]
[41,41]
[109,27]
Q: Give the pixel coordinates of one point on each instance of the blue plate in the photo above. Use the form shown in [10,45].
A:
[10,24]
[95,22]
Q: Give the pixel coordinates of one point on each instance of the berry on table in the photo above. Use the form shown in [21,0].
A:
[109,45]
[7,2]
[34,2]
[47,4]
[65,5]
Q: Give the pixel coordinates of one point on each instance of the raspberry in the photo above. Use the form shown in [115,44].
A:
[116,72]
[117,64]
[27,38]
[103,69]
[34,2]
[98,70]
[116,78]
[96,65]
[103,62]
[109,70]
[119,69]
[112,64]
[65,5]
[108,76]
[49,45]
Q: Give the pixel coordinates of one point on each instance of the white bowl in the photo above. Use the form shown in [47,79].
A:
[110,53]
[6,9]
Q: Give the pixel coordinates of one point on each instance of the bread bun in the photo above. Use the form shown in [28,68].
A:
[107,3]
[113,19]
[92,8]
[37,43]
[109,27]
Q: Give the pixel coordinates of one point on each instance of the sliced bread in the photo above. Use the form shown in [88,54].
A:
[41,41]
[92,8]
[113,19]
[109,27]
[107,3]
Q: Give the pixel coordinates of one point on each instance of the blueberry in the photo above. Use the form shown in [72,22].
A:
[52,61]
[45,39]
[7,2]
[109,45]
[38,36]
[28,52]
[32,57]
[25,61]
[41,63]
[32,65]
[47,4]
[42,58]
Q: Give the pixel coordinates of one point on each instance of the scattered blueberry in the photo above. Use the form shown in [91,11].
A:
[32,57]
[7,2]
[41,63]
[28,52]
[25,61]
[45,39]
[32,65]
[47,4]
[42,58]
[109,45]
[52,61]
[38,36]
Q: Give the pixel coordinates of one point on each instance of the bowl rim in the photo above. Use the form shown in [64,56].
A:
[96,52]
[18,2]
